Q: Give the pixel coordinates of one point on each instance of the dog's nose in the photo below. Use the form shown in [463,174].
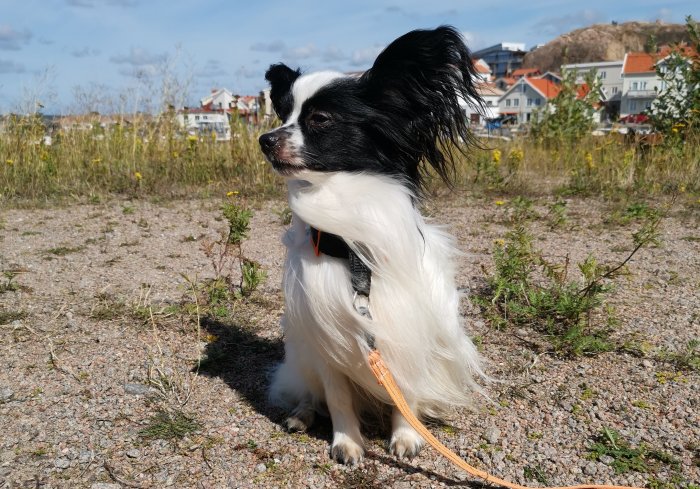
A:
[268,141]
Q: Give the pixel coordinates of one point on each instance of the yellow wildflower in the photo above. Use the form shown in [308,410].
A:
[231,193]
[499,242]
[496,156]
[175,154]
[9,161]
[500,202]
[96,160]
[516,155]
[138,176]
[589,160]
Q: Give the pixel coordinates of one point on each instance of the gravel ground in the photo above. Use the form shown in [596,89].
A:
[87,369]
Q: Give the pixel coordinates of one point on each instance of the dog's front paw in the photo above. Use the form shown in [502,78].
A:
[345,450]
[405,442]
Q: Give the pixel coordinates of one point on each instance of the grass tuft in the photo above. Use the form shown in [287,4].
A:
[165,426]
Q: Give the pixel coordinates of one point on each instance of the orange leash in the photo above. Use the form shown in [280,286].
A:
[383,375]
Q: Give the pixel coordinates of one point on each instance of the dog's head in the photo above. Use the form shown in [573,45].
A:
[403,110]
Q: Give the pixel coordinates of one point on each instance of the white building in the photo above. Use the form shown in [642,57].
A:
[610,75]
[490,94]
[219,99]
[526,96]
[640,83]
[205,123]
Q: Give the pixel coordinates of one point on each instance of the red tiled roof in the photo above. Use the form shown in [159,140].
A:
[525,72]
[480,66]
[638,63]
[546,87]
[683,49]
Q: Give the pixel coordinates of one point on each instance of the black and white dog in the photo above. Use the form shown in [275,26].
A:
[353,150]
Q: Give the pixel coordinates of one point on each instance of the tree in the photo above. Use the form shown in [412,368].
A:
[676,111]
[569,116]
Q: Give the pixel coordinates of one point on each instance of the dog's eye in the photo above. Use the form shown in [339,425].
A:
[319,119]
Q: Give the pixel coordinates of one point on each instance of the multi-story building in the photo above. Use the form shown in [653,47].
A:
[526,96]
[610,75]
[640,83]
[503,58]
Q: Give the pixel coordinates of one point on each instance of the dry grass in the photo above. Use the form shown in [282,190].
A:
[151,157]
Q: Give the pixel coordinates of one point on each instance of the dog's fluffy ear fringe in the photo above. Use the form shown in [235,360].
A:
[422,77]
[281,78]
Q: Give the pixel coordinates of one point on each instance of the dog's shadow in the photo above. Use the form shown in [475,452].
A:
[244,361]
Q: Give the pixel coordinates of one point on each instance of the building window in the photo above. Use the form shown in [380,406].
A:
[516,102]
[633,106]
[507,102]
[538,101]
[635,85]
[489,103]
[642,85]
[647,104]
[614,89]
[602,75]
[529,102]
[196,117]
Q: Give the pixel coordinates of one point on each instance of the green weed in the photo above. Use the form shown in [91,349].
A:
[625,458]
[166,425]
[525,289]
[6,317]
[64,250]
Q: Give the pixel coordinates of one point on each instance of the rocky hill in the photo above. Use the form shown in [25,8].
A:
[602,42]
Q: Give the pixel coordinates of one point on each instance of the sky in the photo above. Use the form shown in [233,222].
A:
[126,55]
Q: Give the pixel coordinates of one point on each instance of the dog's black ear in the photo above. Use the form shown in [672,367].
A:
[281,78]
[422,77]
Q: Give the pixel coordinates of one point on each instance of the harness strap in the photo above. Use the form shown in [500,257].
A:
[335,246]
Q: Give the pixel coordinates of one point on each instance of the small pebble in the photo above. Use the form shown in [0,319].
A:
[62,463]
[133,453]
[137,389]
[260,468]
[492,434]
[606,459]
[6,394]
[590,468]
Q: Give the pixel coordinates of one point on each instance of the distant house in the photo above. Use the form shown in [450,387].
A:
[219,99]
[490,95]
[502,58]
[526,72]
[483,71]
[551,76]
[640,83]
[206,123]
[610,75]
[526,96]
[504,82]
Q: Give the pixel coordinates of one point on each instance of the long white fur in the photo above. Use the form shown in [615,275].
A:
[414,302]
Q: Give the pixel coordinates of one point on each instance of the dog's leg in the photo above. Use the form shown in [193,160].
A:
[302,417]
[347,440]
[405,441]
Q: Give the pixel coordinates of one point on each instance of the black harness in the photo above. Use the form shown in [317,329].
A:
[335,246]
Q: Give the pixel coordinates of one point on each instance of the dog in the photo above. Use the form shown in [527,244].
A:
[355,151]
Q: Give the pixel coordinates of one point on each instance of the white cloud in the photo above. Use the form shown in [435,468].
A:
[138,57]
[85,52]
[11,39]
[272,46]
[301,52]
[365,56]
[8,67]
